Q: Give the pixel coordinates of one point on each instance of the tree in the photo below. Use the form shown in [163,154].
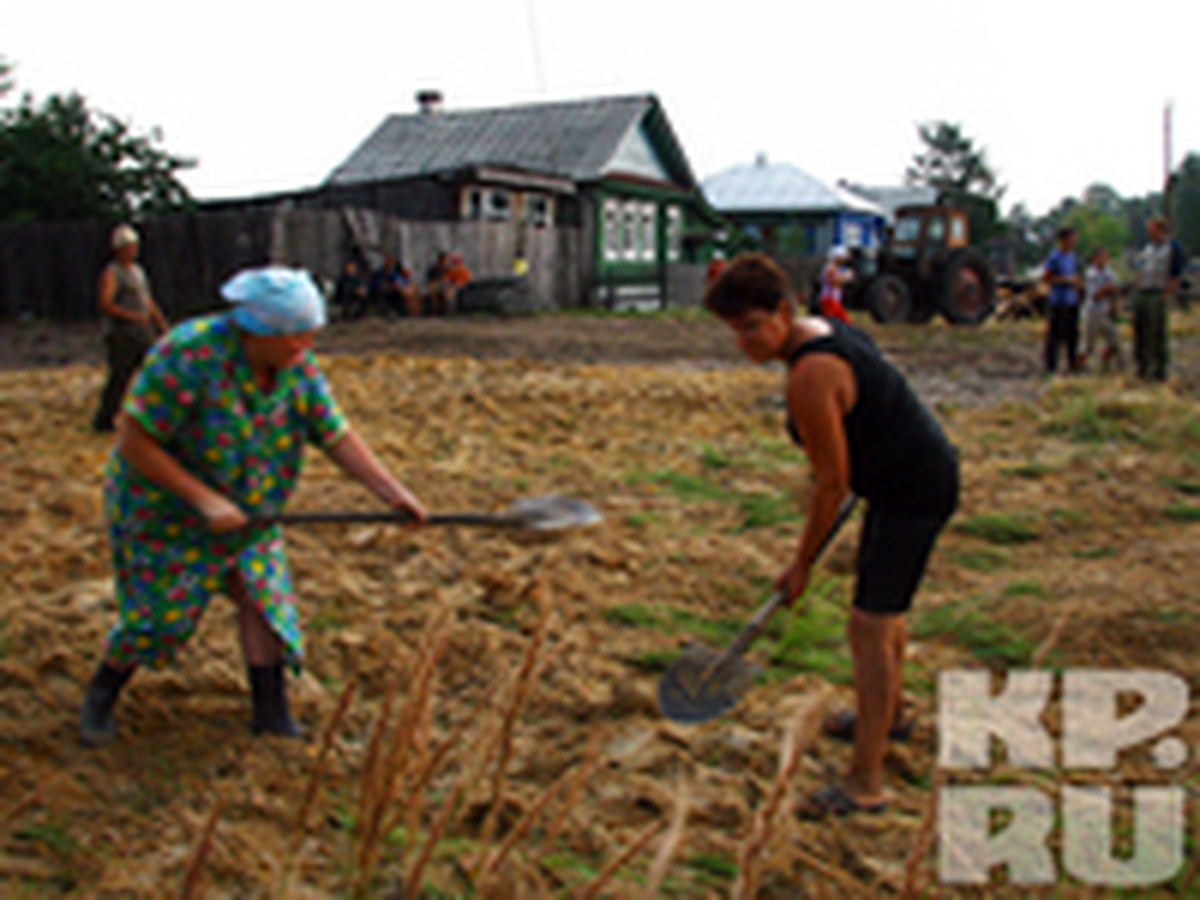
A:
[61,160]
[1185,203]
[1097,229]
[961,174]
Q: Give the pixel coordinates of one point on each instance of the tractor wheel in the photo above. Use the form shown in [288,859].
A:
[889,300]
[968,293]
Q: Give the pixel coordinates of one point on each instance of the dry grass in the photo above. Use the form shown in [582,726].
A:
[799,734]
[561,752]
[618,862]
[670,844]
[194,872]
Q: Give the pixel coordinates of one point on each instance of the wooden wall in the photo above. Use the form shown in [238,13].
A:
[49,271]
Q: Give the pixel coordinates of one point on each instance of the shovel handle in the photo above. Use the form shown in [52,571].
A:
[754,628]
[395,517]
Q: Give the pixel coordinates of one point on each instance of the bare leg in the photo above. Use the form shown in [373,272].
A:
[873,645]
[260,646]
[899,648]
[263,652]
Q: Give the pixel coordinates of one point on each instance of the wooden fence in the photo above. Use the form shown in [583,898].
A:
[50,271]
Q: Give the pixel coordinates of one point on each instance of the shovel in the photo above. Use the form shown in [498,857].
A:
[703,683]
[553,513]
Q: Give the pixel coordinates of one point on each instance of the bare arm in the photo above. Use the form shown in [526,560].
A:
[356,459]
[151,460]
[821,391]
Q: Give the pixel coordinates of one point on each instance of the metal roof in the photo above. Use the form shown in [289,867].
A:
[892,197]
[763,186]
[570,139]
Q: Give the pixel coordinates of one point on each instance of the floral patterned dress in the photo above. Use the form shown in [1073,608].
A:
[198,397]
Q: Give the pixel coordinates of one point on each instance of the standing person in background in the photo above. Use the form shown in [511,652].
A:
[132,321]
[1061,273]
[1100,311]
[1159,271]
[833,276]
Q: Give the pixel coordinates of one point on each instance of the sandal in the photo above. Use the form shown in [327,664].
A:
[840,727]
[834,800]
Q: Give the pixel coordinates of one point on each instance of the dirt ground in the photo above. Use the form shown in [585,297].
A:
[482,707]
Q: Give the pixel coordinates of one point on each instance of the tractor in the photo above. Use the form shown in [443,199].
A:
[926,267]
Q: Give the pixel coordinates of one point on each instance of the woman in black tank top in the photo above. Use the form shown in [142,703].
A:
[864,431]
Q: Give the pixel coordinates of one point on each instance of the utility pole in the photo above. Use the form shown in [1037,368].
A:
[1168,156]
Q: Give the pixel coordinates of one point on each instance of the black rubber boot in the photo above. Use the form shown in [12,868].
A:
[268,690]
[97,725]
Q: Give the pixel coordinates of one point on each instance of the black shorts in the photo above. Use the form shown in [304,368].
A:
[893,551]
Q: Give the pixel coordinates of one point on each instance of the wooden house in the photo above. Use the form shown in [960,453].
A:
[609,173]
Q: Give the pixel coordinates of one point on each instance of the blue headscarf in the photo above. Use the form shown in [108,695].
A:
[275,301]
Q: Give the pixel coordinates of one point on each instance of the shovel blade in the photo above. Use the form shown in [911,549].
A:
[703,684]
[554,513]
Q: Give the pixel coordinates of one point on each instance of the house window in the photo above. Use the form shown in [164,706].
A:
[629,230]
[647,233]
[538,211]
[674,233]
[497,206]
[852,234]
[472,204]
[612,230]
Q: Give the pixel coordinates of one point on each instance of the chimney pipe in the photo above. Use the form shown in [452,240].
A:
[429,102]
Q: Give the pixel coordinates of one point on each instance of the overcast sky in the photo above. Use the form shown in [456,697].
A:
[271,96]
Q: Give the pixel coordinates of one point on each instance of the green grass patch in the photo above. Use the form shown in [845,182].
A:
[1184,486]
[642,519]
[684,487]
[813,641]
[570,867]
[1080,414]
[53,835]
[970,624]
[672,620]
[1024,589]
[715,460]
[1096,553]
[758,510]
[1000,528]
[1063,516]
[767,510]
[1182,512]
[1031,470]
[713,866]
[652,662]
[1087,419]
[983,559]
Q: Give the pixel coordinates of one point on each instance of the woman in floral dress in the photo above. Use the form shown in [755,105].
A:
[212,437]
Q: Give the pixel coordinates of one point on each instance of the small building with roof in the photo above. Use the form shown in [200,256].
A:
[789,213]
[608,172]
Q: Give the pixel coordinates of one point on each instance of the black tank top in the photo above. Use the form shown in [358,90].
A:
[899,456]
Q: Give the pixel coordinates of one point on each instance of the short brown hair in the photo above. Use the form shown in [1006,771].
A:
[750,281]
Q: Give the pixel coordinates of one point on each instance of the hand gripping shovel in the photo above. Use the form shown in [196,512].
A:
[703,684]
[552,513]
